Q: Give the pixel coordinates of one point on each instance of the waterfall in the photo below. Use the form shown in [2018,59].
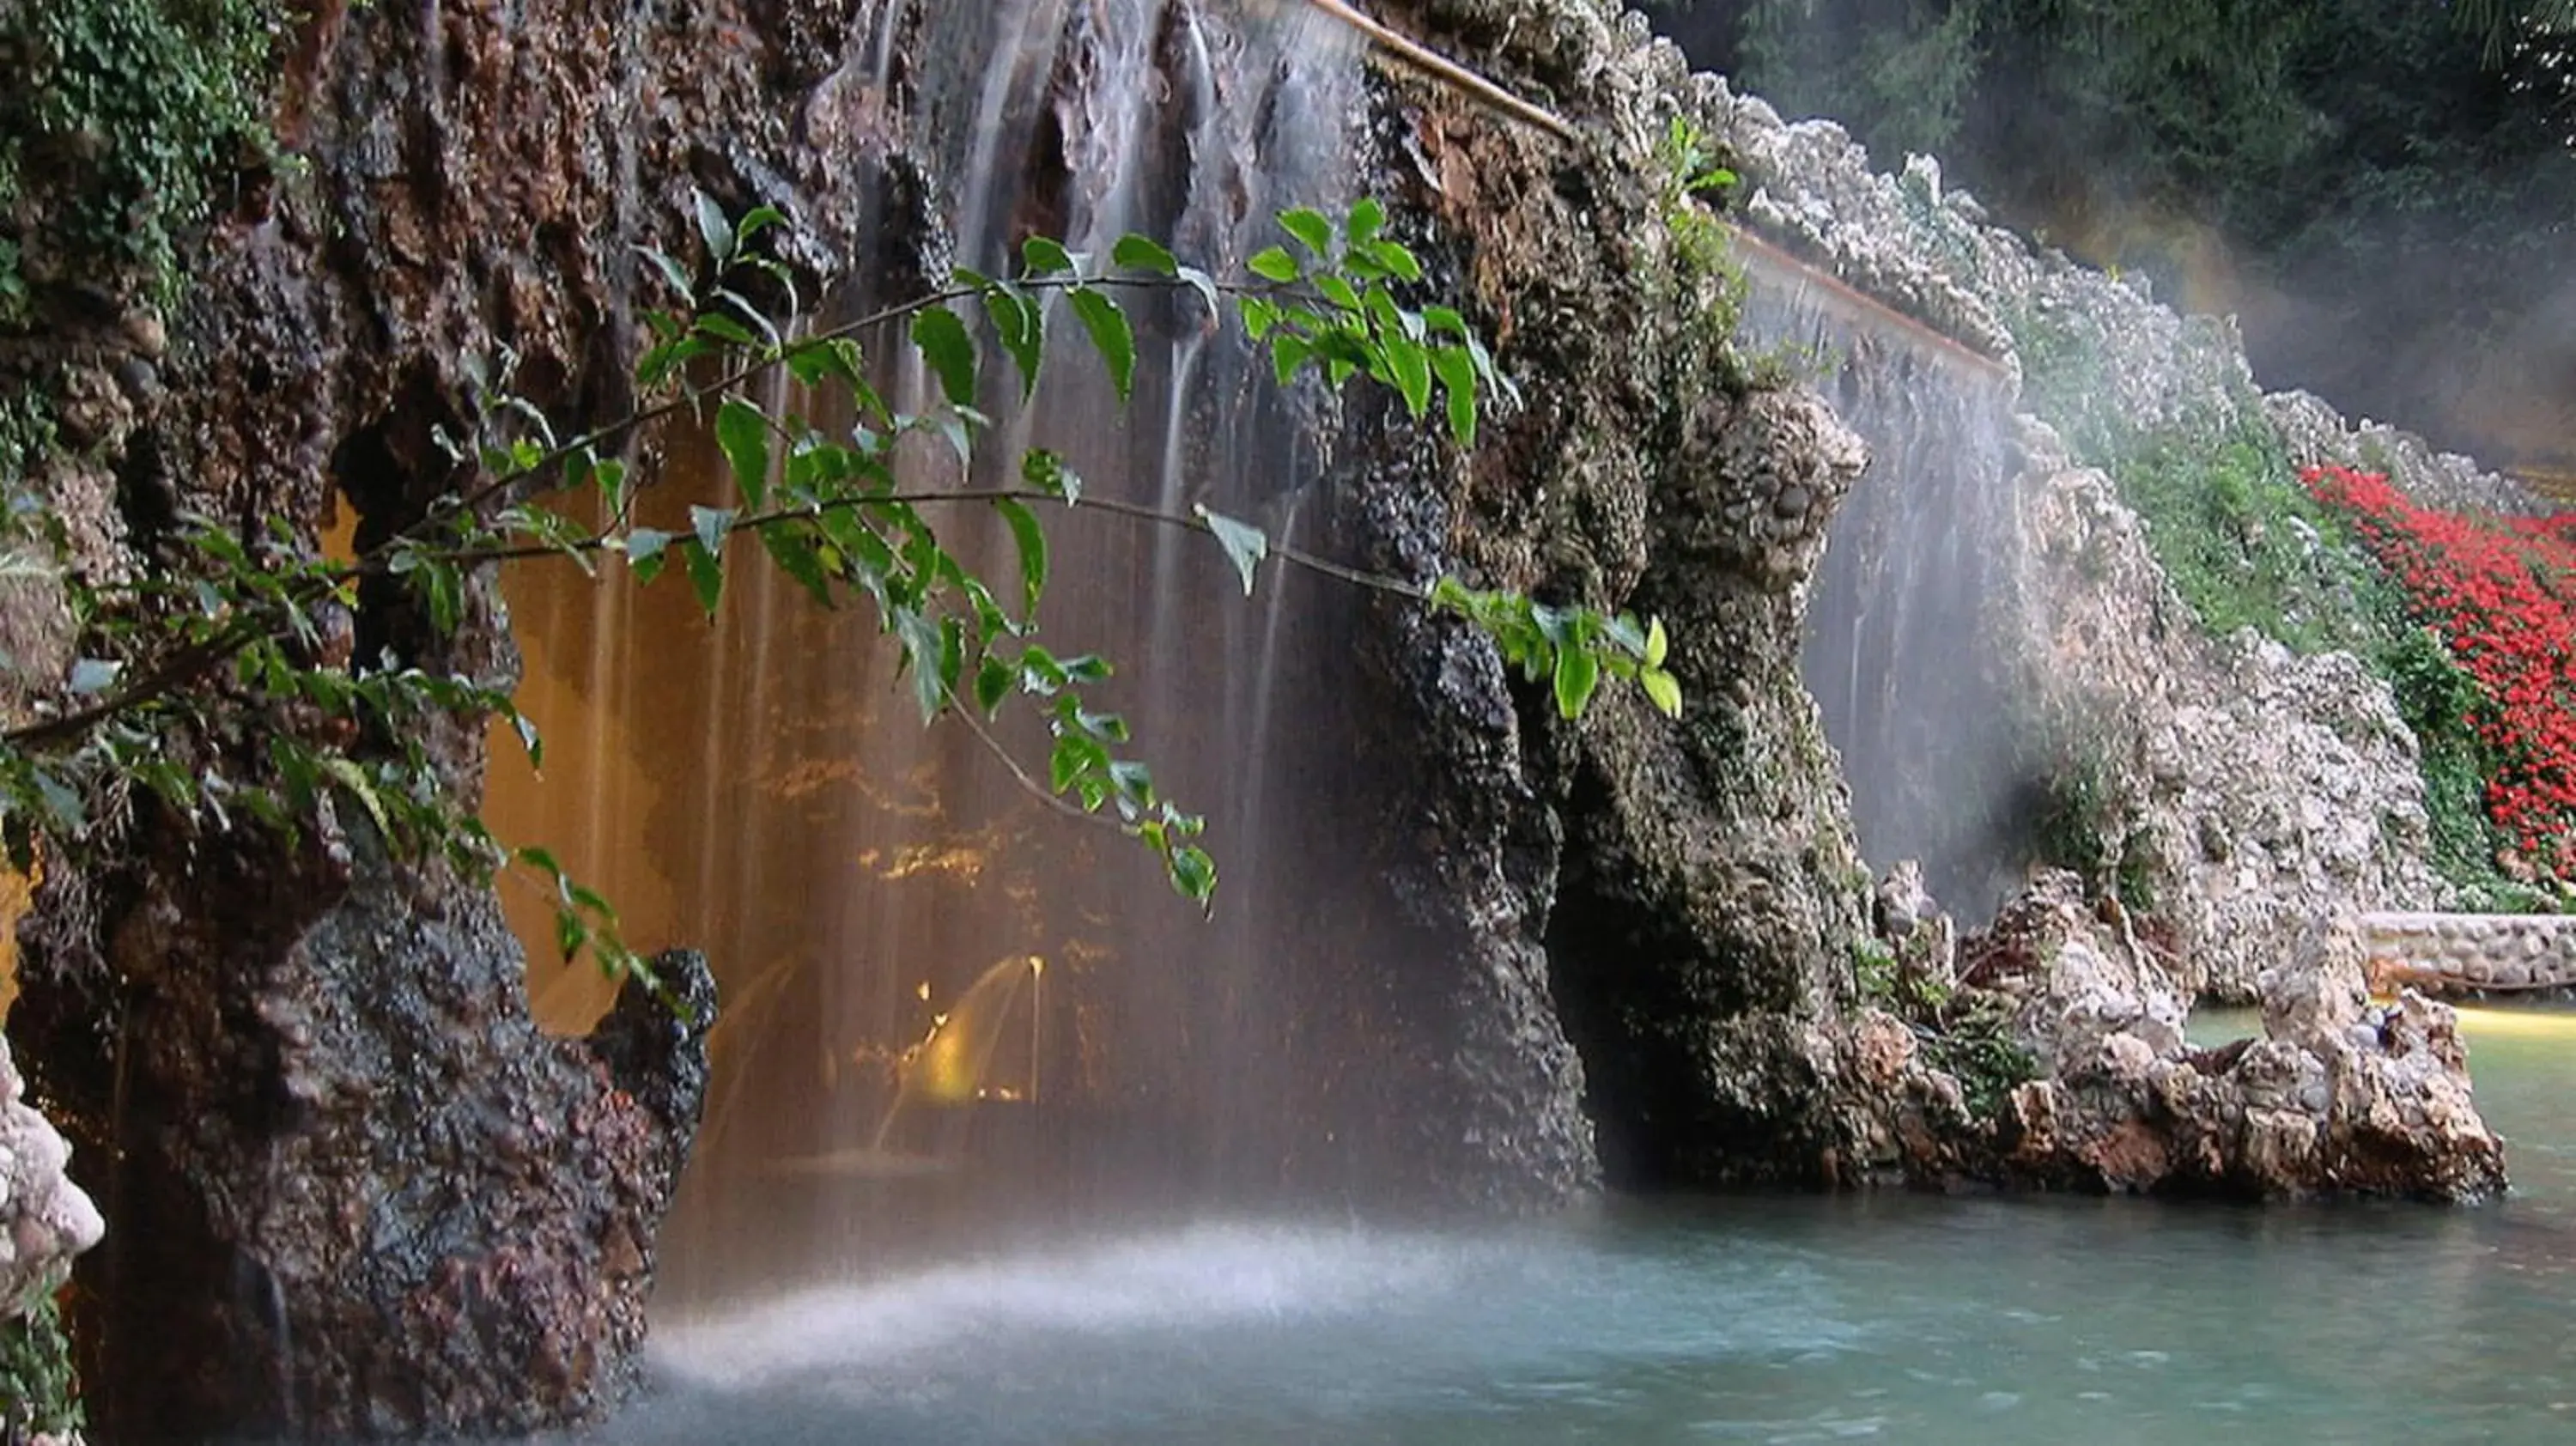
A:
[1904,649]
[881,901]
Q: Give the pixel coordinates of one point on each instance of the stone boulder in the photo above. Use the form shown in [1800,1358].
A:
[45,1219]
[2335,1097]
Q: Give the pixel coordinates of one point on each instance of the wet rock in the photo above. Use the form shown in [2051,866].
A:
[2243,790]
[1690,909]
[369,1197]
[2330,1100]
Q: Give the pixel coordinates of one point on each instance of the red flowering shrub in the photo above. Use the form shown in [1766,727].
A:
[2502,594]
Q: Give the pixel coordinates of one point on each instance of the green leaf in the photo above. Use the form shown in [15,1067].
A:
[570,933]
[530,740]
[755,221]
[1021,324]
[1245,545]
[921,642]
[1288,351]
[93,675]
[1046,471]
[706,574]
[1577,674]
[1656,643]
[1394,258]
[1110,334]
[1142,253]
[950,351]
[1367,216]
[992,683]
[717,324]
[1045,256]
[671,271]
[1411,366]
[65,815]
[795,554]
[713,227]
[1274,264]
[743,435]
[347,773]
[1458,379]
[1310,228]
[611,477]
[1194,874]
[711,524]
[644,546]
[1663,690]
[1033,550]
[1338,291]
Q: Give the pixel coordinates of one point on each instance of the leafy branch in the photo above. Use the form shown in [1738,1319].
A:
[237,654]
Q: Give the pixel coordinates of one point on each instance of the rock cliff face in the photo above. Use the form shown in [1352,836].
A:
[355,1191]
[2240,789]
[1692,884]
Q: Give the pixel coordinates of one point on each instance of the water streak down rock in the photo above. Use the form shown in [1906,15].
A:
[2244,790]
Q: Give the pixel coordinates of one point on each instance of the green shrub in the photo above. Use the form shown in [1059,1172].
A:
[38,1391]
[131,116]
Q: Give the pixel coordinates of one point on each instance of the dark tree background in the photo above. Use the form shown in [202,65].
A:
[2382,190]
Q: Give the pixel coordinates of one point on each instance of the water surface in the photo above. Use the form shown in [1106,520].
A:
[1758,1319]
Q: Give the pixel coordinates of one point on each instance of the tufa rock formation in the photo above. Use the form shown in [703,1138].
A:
[45,1219]
[2336,1097]
[2242,790]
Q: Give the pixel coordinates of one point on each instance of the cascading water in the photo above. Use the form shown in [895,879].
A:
[1903,648]
[762,787]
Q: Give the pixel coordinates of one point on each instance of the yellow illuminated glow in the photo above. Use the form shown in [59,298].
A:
[945,1070]
[2476,1021]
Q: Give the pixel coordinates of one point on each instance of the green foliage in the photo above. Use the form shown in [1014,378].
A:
[2247,546]
[1874,970]
[1691,183]
[1568,648]
[130,116]
[235,659]
[1963,1033]
[1972,1040]
[38,1389]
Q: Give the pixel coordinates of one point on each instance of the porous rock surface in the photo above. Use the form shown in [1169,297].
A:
[359,1193]
[2245,788]
[2337,1096]
[355,1192]
[45,1219]
[1686,892]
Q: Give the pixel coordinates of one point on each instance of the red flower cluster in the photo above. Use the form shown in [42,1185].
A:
[2502,594]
